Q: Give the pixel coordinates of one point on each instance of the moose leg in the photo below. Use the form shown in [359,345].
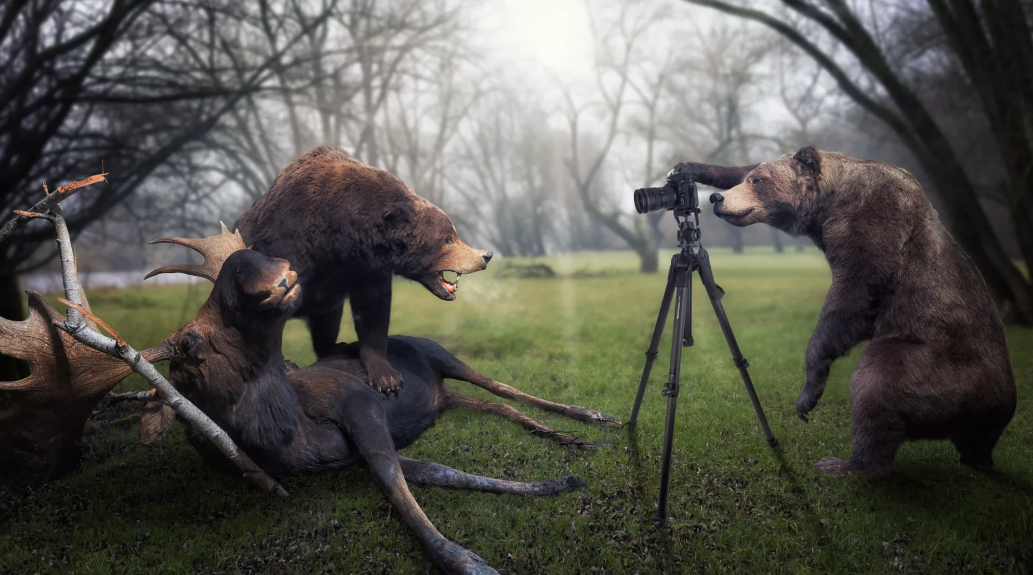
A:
[451,367]
[366,425]
[435,474]
[453,399]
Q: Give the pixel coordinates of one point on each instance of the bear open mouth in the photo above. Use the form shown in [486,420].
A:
[440,286]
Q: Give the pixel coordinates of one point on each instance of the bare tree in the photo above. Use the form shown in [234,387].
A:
[349,67]
[993,42]
[503,169]
[618,79]
[710,103]
[126,82]
[424,115]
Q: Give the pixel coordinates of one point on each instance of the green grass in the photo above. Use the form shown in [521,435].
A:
[736,506]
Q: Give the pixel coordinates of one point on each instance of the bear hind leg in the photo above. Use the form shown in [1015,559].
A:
[976,450]
[875,452]
[877,431]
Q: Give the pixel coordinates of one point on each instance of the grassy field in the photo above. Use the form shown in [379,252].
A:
[575,339]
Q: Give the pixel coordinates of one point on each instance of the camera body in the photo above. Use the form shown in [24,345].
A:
[678,193]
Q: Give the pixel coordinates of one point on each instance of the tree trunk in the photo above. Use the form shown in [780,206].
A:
[737,240]
[11,369]
[972,230]
[776,238]
[649,260]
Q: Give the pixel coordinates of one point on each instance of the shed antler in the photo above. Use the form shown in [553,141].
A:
[215,250]
[44,415]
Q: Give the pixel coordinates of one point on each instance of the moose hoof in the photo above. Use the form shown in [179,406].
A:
[606,419]
[833,466]
[458,559]
[557,486]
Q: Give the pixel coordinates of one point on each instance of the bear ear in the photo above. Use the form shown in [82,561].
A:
[396,215]
[809,161]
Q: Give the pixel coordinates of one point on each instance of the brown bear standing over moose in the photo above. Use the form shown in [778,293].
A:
[331,229]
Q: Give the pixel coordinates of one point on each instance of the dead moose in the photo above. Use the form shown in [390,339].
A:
[291,420]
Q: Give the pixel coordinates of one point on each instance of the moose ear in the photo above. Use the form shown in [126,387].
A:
[809,161]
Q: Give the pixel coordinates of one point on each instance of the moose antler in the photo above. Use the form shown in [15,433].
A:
[44,417]
[215,250]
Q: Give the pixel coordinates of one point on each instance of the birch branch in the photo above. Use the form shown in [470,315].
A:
[184,409]
[52,199]
[76,324]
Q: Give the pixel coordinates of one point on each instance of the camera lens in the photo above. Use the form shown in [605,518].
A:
[649,200]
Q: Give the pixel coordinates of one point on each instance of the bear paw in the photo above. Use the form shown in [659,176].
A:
[806,402]
[380,375]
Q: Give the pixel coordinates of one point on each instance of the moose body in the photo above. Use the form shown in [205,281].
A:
[292,420]
[322,393]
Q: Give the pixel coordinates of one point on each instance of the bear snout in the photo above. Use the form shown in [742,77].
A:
[716,198]
[487,257]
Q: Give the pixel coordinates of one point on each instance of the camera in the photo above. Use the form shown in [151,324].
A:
[678,193]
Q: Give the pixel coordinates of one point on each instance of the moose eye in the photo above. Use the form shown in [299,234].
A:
[189,345]
[449,240]
[756,181]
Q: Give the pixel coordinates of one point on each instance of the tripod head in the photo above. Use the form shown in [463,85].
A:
[678,195]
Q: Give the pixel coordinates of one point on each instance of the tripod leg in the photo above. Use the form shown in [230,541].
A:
[707,277]
[654,345]
[683,302]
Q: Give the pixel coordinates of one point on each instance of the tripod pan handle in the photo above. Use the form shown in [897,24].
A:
[706,275]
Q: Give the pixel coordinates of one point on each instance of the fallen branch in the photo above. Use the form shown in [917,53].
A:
[52,199]
[76,324]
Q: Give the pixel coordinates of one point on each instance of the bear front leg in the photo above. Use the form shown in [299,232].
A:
[864,253]
[720,177]
[846,320]
[371,311]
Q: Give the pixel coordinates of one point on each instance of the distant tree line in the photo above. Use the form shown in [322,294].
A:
[193,107]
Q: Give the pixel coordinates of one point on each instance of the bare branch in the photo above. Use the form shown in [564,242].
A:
[59,195]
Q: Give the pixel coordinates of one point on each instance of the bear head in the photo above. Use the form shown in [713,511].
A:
[783,193]
[428,248]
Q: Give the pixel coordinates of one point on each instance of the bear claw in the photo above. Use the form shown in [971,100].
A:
[806,403]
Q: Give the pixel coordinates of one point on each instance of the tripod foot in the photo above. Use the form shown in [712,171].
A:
[773,443]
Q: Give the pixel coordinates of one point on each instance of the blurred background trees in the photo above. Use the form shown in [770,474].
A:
[531,136]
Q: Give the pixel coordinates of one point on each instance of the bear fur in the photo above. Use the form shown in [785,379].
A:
[937,365]
[347,228]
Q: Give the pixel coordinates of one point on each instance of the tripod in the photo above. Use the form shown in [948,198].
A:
[680,278]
